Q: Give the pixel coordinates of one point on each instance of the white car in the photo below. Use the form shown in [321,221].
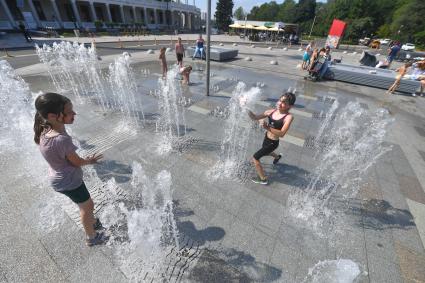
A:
[385,41]
[408,47]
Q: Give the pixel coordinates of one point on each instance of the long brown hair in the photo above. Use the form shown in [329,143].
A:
[44,104]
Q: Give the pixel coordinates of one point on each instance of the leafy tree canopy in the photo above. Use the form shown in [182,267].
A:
[395,19]
[223,14]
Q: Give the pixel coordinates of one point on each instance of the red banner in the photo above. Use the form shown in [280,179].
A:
[335,33]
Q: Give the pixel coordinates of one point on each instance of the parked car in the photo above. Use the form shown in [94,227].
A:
[408,47]
[385,41]
[364,41]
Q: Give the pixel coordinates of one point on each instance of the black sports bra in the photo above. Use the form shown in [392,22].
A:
[276,124]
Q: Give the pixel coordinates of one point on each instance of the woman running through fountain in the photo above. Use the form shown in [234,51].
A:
[54,111]
[163,62]
[278,123]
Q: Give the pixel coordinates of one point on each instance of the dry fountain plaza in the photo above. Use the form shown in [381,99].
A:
[346,203]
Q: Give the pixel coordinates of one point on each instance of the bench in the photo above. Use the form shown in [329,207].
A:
[216,53]
[369,76]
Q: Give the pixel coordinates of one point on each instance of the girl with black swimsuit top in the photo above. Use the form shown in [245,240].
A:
[279,121]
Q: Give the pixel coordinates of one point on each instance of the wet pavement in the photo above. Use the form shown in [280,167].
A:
[232,230]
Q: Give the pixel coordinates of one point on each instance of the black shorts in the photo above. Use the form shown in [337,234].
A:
[78,195]
[269,146]
[179,57]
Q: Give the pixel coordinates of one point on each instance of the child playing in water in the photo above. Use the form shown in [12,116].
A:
[54,111]
[185,72]
[401,72]
[163,62]
[279,121]
[307,54]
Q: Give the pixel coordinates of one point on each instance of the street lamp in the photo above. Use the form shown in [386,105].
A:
[314,20]
[208,45]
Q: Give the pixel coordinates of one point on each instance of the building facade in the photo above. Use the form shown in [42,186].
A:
[69,14]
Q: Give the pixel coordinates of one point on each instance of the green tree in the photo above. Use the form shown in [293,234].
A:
[266,12]
[305,10]
[239,14]
[287,12]
[223,14]
[409,20]
[384,31]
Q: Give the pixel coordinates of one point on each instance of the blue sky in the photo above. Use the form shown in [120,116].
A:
[246,4]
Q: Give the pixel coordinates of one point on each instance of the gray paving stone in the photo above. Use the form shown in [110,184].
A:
[261,246]
[382,271]
[385,171]
[269,222]
[286,259]
[380,243]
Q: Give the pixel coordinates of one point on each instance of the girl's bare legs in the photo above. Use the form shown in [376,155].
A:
[259,169]
[87,217]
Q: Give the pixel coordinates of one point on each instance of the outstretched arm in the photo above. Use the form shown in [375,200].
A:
[259,116]
[77,161]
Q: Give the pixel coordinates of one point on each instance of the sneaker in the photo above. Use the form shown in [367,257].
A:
[98,225]
[99,239]
[413,94]
[258,180]
[276,160]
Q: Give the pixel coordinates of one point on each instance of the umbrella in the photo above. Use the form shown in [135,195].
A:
[261,28]
[236,26]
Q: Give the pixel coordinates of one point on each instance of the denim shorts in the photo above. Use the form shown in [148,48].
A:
[78,195]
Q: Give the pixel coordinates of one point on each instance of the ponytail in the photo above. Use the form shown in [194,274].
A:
[39,126]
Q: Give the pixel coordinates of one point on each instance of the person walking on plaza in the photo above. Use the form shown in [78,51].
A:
[277,125]
[179,52]
[307,54]
[392,53]
[163,62]
[53,112]
[25,32]
[199,47]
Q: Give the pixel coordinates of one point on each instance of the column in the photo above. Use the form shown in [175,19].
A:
[164,17]
[145,18]
[189,20]
[173,20]
[93,11]
[56,11]
[155,13]
[75,10]
[8,13]
[135,14]
[179,20]
[108,12]
[34,12]
[122,13]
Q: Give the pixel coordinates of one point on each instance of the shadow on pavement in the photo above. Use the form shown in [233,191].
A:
[290,175]
[108,169]
[232,265]
[379,215]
